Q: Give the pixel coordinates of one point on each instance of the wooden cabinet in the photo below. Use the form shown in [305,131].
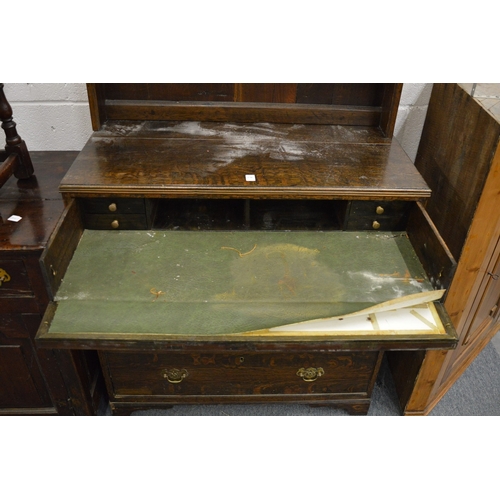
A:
[459,156]
[31,380]
[216,220]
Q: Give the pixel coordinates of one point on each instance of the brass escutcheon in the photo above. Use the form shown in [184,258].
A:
[310,374]
[4,276]
[174,375]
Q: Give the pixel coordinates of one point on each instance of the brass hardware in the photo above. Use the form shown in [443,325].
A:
[52,270]
[112,207]
[493,276]
[174,375]
[310,374]
[379,210]
[4,276]
[376,225]
[115,224]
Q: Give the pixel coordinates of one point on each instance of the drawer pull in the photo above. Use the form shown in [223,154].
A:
[376,224]
[115,224]
[310,374]
[174,375]
[112,207]
[379,210]
[4,277]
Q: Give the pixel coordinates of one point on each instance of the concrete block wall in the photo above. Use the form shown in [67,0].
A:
[50,116]
[55,116]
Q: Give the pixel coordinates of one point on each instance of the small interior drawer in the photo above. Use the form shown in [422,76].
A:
[113,205]
[374,223]
[378,208]
[376,215]
[116,221]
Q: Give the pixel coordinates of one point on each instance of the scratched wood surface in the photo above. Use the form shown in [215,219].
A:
[212,160]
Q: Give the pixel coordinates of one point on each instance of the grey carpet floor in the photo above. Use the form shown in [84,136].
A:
[476,393]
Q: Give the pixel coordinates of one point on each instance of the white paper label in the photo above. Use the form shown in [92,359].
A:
[250,178]
[14,218]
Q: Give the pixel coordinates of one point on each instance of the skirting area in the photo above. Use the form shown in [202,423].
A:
[476,393]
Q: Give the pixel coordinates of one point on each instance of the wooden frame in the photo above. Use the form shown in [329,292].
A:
[243,109]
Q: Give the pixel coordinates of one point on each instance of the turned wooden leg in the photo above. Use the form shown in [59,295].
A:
[14,145]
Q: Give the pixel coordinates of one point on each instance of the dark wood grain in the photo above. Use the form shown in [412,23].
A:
[390,106]
[7,168]
[60,247]
[242,112]
[322,145]
[354,94]
[273,92]
[371,104]
[431,249]
[217,92]
[96,98]
[239,373]
[216,166]
[454,157]
[32,379]
[361,94]
[23,166]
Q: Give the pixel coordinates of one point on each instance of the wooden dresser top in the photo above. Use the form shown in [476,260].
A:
[205,159]
[316,141]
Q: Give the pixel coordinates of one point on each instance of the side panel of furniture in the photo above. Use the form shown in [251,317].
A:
[61,246]
[472,294]
[80,370]
[22,385]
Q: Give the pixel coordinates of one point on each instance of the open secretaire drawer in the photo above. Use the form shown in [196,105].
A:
[254,285]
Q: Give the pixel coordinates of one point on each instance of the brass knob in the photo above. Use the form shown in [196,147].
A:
[174,375]
[115,224]
[4,276]
[379,210]
[310,374]
[376,225]
[112,207]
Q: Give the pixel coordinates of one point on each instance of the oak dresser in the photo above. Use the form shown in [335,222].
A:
[245,243]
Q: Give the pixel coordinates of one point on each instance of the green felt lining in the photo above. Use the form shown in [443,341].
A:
[218,282]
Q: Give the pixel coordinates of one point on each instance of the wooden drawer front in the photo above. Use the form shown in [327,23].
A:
[112,205]
[14,279]
[178,374]
[21,383]
[375,223]
[379,208]
[12,326]
[116,221]
[377,215]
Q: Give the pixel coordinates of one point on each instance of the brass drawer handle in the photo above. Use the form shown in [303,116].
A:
[4,276]
[310,374]
[376,224]
[115,224]
[174,375]
[379,210]
[112,207]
